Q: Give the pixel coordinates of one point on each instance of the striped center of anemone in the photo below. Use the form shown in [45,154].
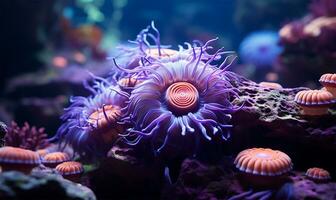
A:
[103,116]
[182,98]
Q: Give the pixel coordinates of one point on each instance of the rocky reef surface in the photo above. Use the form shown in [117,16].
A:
[269,118]
[202,181]
[38,185]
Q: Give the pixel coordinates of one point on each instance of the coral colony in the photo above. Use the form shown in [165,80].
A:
[26,137]
[158,94]
[167,99]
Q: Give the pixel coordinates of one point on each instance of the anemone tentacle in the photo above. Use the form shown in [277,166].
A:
[91,123]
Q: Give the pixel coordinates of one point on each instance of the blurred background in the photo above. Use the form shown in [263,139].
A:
[47,46]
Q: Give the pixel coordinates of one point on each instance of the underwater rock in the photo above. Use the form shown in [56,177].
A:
[307,46]
[15,185]
[271,118]
[124,174]
[268,104]
[302,188]
[204,181]
[3,132]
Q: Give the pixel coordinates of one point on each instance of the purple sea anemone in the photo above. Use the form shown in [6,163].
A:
[181,96]
[91,123]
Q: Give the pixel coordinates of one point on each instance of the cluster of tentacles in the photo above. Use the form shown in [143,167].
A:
[154,94]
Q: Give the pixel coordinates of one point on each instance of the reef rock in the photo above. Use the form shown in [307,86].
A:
[271,118]
[203,181]
[15,185]
[125,174]
[302,188]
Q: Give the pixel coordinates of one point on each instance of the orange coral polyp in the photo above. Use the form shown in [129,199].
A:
[329,82]
[182,97]
[318,174]
[105,115]
[264,162]
[314,102]
[70,170]
[12,158]
[55,158]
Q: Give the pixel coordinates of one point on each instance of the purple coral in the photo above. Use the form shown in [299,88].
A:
[26,137]
[91,123]
[153,115]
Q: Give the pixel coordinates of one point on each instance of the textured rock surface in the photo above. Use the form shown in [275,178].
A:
[200,181]
[268,103]
[271,118]
[15,185]
[3,132]
[303,188]
[203,181]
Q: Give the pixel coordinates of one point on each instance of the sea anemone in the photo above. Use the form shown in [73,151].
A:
[91,123]
[329,82]
[260,49]
[12,158]
[314,102]
[181,96]
[26,137]
[260,166]
[70,170]
[54,159]
[318,174]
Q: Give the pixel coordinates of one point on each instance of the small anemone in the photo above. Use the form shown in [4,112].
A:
[184,96]
[91,123]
